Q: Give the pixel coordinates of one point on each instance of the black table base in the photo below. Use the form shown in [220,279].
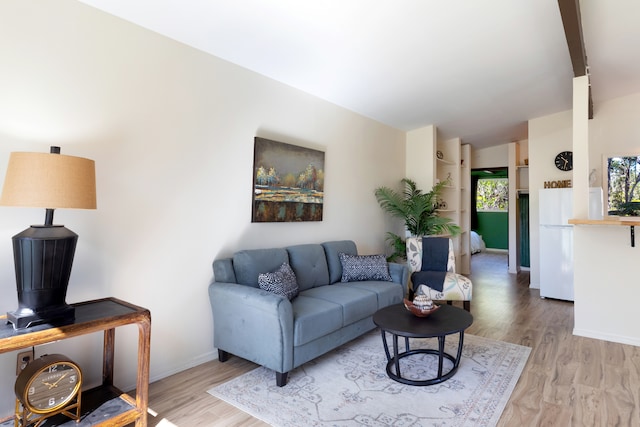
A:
[393,362]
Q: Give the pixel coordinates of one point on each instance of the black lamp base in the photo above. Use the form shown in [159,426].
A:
[43,258]
[25,317]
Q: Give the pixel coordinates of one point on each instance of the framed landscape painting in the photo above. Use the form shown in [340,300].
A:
[288,182]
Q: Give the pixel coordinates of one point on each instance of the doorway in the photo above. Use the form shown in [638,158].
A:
[490,207]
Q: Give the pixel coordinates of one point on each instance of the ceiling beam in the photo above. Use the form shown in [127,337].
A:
[570,13]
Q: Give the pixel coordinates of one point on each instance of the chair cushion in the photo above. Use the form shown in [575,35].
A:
[357,268]
[456,288]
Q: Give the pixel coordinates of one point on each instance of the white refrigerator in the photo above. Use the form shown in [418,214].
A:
[556,239]
[556,243]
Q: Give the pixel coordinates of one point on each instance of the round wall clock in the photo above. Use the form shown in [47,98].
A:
[564,161]
[48,386]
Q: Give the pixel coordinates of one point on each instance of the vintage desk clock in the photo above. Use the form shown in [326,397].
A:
[48,386]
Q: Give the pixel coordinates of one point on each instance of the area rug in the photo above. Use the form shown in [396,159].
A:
[349,387]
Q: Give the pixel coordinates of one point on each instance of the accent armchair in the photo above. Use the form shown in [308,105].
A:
[456,287]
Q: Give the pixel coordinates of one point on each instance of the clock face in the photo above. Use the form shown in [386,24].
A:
[50,386]
[564,161]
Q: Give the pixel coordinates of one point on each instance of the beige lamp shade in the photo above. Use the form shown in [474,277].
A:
[50,181]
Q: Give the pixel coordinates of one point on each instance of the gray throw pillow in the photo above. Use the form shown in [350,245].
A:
[281,282]
[357,268]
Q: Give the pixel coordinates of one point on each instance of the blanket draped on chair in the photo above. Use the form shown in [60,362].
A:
[435,254]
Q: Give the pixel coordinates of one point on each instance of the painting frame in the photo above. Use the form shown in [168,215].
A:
[288,182]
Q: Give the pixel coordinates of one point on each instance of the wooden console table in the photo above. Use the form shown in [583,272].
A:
[95,316]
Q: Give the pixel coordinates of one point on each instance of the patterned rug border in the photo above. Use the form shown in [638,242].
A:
[490,387]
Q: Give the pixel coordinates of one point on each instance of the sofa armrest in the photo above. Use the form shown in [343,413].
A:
[400,274]
[253,324]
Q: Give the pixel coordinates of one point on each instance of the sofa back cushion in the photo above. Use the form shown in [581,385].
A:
[310,265]
[332,251]
[248,264]
[223,270]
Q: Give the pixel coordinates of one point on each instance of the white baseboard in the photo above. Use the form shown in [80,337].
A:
[606,337]
[498,251]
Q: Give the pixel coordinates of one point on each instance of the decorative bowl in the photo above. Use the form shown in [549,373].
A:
[417,311]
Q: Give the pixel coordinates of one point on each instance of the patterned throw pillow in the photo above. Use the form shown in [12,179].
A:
[356,268]
[281,282]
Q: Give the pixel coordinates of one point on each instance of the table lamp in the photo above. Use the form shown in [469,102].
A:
[43,254]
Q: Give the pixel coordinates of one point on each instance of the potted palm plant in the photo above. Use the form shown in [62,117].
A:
[417,210]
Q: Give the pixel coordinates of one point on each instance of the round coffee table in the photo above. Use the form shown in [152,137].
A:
[399,322]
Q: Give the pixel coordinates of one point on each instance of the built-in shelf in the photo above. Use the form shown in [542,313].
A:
[453,171]
[446,162]
[522,166]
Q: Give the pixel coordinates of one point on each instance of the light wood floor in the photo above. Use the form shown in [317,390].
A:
[568,380]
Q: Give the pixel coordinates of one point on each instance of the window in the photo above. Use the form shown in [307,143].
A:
[492,195]
[623,176]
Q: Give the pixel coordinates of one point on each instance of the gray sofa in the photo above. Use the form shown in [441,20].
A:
[272,331]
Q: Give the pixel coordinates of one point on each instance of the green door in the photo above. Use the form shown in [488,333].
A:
[523,208]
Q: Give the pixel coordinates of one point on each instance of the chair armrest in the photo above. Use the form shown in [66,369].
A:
[252,323]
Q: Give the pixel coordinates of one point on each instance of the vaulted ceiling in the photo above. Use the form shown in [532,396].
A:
[478,70]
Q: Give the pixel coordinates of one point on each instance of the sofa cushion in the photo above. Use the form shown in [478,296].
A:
[357,304]
[310,265]
[386,293]
[280,282]
[314,318]
[248,264]
[356,268]
[332,249]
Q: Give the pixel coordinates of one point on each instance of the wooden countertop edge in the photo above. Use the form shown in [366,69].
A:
[615,222]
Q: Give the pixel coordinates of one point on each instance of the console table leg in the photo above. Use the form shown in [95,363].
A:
[144,356]
[107,356]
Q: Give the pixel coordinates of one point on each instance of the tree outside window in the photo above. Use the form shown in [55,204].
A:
[492,195]
[623,175]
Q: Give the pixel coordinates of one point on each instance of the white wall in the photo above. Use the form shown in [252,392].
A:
[420,163]
[606,285]
[605,291]
[171,130]
[490,157]
[548,136]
